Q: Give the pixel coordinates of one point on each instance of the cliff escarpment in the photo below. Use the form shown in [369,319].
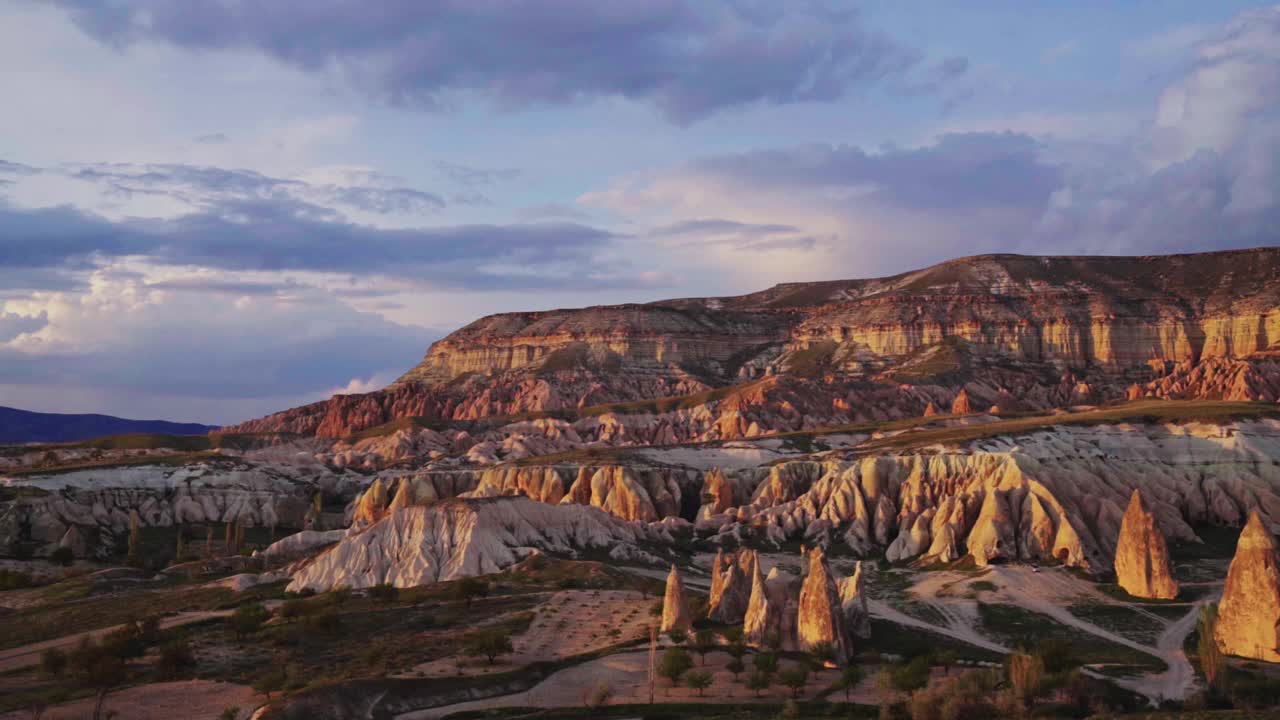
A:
[1018,332]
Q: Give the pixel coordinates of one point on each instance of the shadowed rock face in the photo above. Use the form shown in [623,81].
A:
[675,605]
[1047,331]
[1250,609]
[1142,558]
[731,579]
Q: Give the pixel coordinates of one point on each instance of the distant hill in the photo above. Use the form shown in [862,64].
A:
[21,426]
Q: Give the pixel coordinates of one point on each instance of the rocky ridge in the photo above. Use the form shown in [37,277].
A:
[1012,332]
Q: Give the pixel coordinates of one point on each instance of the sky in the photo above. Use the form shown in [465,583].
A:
[215,209]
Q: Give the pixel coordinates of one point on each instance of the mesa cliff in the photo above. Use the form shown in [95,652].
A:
[1006,332]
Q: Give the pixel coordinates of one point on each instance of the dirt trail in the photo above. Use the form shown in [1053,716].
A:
[28,655]
[1041,594]
[960,632]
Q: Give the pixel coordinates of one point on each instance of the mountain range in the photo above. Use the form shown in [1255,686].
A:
[25,426]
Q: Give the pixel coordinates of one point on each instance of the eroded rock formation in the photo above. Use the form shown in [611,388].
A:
[459,538]
[675,606]
[1142,558]
[1249,613]
[820,621]
[853,600]
[984,329]
[731,580]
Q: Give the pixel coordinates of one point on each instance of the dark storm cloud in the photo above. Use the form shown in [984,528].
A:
[688,59]
[285,235]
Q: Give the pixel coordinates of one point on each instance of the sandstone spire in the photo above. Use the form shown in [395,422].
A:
[763,614]
[930,410]
[731,587]
[1134,392]
[961,405]
[1250,607]
[371,505]
[720,491]
[821,617]
[1142,558]
[853,599]
[675,608]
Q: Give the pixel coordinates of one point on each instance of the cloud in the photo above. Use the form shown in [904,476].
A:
[12,325]
[13,168]
[135,342]
[1204,175]
[200,186]
[212,139]
[286,235]
[690,60]
[474,176]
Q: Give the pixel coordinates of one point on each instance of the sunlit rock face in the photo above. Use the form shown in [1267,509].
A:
[820,621]
[968,334]
[675,605]
[459,538]
[1052,495]
[1142,558]
[1249,612]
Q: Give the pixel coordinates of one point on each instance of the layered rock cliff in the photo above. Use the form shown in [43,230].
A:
[1048,331]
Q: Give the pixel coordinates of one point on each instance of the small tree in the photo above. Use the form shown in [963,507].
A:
[53,662]
[1211,662]
[384,592]
[175,659]
[490,645]
[912,676]
[758,681]
[230,712]
[271,681]
[704,641]
[679,637]
[822,653]
[1026,675]
[675,663]
[850,677]
[735,666]
[468,589]
[97,667]
[181,548]
[248,619]
[765,662]
[698,680]
[794,677]
[134,537]
[62,556]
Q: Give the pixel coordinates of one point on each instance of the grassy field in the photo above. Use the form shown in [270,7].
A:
[1018,627]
